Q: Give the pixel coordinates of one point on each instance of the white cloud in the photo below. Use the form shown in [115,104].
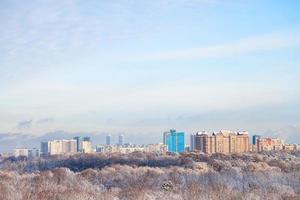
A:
[70,99]
[256,44]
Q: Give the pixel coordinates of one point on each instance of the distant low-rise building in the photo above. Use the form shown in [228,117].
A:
[34,153]
[6,154]
[289,147]
[129,148]
[21,152]
[269,144]
[100,148]
[155,148]
[30,153]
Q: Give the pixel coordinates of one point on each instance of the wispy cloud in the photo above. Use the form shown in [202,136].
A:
[44,121]
[24,124]
[53,26]
[243,46]
[50,28]
[27,124]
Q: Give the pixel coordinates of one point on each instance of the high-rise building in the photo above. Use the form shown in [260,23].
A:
[222,142]
[86,139]
[108,140]
[121,140]
[198,140]
[45,147]
[192,142]
[164,137]
[174,141]
[78,143]
[255,138]
[202,142]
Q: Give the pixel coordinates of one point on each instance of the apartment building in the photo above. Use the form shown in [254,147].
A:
[30,153]
[222,142]
[268,144]
[56,147]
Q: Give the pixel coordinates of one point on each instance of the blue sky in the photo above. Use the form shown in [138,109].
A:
[141,67]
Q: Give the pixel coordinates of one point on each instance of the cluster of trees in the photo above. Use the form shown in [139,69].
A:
[79,162]
[190,176]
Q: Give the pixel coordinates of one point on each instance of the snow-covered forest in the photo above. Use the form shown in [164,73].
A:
[268,175]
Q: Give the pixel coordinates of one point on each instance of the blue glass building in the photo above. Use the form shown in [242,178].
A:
[174,141]
[255,138]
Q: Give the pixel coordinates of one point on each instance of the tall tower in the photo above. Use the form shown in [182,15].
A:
[121,140]
[78,143]
[108,140]
[164,137]
[45,148]
[192,142]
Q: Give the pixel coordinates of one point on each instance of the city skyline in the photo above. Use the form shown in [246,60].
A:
[139,68]
[224,141]
[114,139]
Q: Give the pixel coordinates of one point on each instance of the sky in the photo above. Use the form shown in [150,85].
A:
[143,67]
